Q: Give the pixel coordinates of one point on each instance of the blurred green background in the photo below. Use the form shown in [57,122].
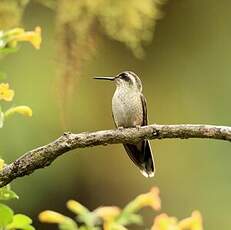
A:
[186,79]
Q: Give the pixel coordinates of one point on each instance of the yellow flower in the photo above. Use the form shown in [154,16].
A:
[51,217]
[12,37]
[6,93]
[34,37]
[107,213]
[76,207]
[193,223]
[151,199]
[22,109]
[164,222]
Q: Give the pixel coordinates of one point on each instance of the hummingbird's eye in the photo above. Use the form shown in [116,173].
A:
[125,77]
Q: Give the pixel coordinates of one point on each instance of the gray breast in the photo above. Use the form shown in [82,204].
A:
[127,108]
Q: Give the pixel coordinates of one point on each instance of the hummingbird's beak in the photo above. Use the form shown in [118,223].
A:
[105,78]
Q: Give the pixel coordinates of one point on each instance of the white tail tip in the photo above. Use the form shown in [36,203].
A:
[147,174]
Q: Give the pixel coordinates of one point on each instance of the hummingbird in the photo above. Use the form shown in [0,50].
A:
[129,109]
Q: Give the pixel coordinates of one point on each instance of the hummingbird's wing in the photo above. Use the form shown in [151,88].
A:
[144,106]
[141,153]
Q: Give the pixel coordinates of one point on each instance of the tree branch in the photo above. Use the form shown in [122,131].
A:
[45,155]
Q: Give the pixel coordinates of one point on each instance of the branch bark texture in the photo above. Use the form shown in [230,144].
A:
[43,156]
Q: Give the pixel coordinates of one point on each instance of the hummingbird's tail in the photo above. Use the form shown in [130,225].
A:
[141,155]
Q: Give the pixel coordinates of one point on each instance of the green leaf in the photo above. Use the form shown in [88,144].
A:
[69,224]
[20,221]
[89,219]
[129,218]
[29,227]
[7,194]
[6,215]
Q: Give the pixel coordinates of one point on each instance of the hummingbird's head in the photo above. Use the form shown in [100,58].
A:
[126,79]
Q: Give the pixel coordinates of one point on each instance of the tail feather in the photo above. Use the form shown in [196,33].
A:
[141,155]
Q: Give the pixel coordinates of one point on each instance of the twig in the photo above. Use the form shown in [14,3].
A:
[45,155]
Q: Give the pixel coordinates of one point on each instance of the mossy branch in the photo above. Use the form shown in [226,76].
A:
[43,156]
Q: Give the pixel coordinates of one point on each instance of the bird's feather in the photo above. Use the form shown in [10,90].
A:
[141,153]
[144,107]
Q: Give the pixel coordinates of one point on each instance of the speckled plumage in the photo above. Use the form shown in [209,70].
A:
[129,110]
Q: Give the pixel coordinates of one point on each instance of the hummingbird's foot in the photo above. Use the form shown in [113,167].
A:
[120,128]
[138,127]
